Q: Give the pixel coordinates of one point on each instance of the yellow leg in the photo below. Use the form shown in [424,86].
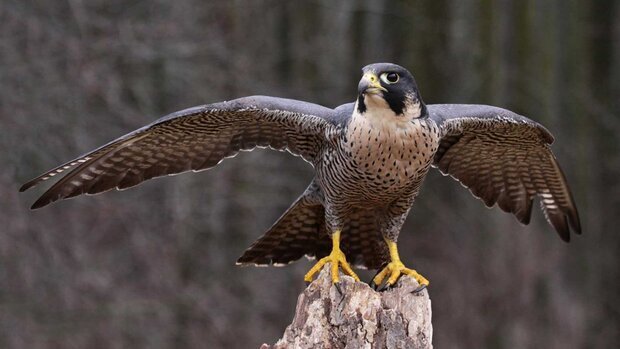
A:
[395,268]
[336,258]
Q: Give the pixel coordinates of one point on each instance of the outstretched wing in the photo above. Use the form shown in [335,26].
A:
[193,139]
[504,158]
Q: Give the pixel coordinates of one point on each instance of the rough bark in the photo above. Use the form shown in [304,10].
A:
[353,315]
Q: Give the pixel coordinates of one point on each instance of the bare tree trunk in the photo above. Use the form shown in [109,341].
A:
[353,315]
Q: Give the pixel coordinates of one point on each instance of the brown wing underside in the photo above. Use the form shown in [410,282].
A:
[301,231]
[192,140]
[508,162]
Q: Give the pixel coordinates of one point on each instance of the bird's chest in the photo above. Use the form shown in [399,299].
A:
[390,154]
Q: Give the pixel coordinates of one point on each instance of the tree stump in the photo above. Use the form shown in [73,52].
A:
[353,315]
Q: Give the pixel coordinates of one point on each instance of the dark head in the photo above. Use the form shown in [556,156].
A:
[389,85]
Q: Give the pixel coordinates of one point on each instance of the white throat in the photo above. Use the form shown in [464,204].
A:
[379,114]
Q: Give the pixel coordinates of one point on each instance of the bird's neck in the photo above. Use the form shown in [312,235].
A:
[377,116]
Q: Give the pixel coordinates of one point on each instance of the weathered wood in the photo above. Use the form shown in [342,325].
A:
[353,315]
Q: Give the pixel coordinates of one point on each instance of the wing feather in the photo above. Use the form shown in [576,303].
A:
[504,159]
[194,139]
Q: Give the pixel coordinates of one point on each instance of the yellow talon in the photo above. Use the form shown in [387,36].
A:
[396,268]
[336,258]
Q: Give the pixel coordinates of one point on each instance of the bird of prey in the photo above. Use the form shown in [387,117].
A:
[370,158]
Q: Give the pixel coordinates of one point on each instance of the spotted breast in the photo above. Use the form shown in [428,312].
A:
[392,153]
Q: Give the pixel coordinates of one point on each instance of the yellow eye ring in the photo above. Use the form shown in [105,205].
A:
[390,78]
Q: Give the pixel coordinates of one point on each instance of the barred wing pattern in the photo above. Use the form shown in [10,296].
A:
[193,139]
[504,158]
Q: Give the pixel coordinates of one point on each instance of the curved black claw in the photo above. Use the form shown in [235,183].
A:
[385,287]
[338,288]
[373,285]
[419,289]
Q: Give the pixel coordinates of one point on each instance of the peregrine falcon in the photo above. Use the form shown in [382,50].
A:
[370,158]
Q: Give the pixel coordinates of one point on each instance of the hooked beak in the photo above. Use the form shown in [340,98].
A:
[370,84]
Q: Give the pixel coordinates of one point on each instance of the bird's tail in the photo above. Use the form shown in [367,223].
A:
[301,230]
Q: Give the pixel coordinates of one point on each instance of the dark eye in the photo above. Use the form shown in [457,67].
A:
[390,78]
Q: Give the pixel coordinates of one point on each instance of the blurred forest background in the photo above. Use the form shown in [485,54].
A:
[153,267]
